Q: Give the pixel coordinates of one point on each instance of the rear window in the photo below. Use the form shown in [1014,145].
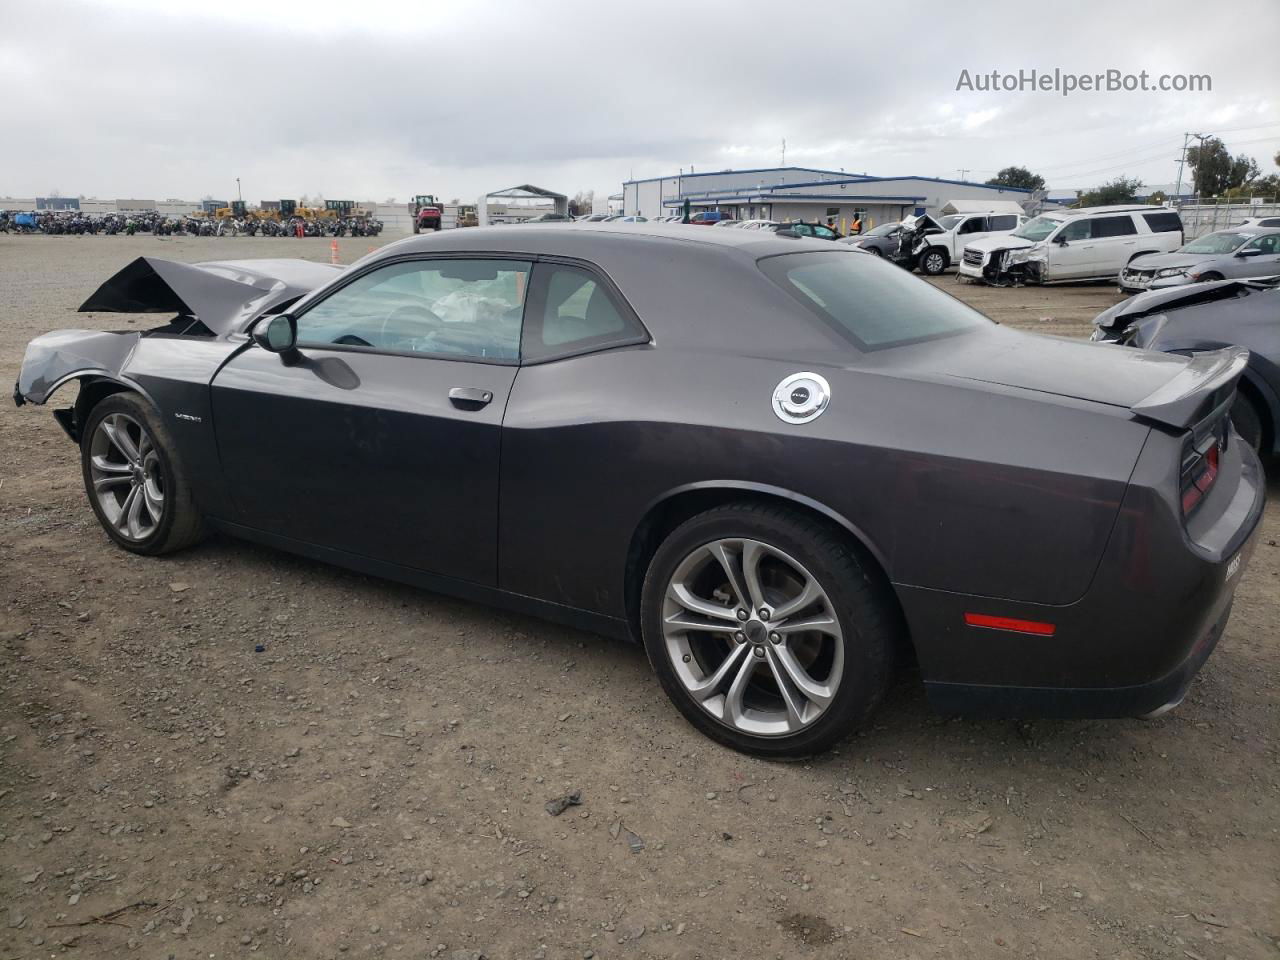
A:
[866,302]
[1163,222]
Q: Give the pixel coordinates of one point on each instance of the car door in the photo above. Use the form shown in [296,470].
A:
[1070,250]
[1115,241]
[969,230]
[1260,257]
[381,438]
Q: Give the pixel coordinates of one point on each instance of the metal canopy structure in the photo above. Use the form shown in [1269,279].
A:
[525,195]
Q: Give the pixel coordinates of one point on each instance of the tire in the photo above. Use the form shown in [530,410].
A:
[875,251]
[849,662]
[1210,277]
[934,261]
[155,478]
[1247,421]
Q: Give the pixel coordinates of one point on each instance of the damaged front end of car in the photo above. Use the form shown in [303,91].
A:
[913,240]
[206,303]
[1016,266]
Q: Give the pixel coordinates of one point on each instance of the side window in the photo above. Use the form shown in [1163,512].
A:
[802,229]
[824,232]
[1076,230]
[469,309]
[974,225]
[1004,222]
[572,310]
[1268,244]
[1163,222]
[1114,226]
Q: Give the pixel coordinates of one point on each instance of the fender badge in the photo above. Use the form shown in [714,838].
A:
[801,397]
[187,416]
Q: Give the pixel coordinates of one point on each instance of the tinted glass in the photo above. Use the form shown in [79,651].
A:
[949,222]
[575,311]
[801,229]
[1268,244]
[465,308]
[868,304]
[883,230]
[826,233]
[1003,222]
[974,225]
[1163,222]
[1121,226]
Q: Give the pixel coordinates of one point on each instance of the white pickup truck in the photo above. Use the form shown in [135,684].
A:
[942,240]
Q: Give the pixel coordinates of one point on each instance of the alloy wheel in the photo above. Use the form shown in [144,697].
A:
[127,476]
[753,637]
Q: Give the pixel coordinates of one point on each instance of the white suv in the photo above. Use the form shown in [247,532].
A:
[1093,243]
[949,235]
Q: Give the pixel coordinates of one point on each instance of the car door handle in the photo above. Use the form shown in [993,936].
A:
[469,397]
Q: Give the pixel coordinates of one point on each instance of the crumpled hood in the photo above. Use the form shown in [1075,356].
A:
[1005,241]
[1163,261]
[222,294]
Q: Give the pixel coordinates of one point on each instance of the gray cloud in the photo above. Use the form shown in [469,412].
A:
[376,99]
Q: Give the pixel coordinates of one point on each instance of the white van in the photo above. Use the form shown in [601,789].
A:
[1090,243]
[950,234]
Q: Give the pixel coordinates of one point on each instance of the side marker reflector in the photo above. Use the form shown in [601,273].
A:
[1010,623]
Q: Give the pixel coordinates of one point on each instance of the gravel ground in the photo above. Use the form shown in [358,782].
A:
[373,783]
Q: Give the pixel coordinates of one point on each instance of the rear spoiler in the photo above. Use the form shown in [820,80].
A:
[1205,383]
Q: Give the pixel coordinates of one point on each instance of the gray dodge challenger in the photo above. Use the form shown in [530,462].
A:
[776,463]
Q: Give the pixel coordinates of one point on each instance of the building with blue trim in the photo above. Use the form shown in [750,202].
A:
[805,193]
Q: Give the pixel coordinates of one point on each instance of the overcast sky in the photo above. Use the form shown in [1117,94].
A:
[371,99]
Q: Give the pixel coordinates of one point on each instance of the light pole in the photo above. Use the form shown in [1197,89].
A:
[239,195]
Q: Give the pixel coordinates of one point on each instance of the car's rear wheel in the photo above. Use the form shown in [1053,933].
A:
[934,261]
[1247,421]
[766,631]
[134,479]
[874,251]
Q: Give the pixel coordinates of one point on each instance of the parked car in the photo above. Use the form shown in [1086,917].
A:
[758,224]
[1207,316]
[773,461]
[1089,243]
[943,238]
[801,229]
[1226,255]
[1266,222]
[550,218]
[636,219]
[594,218]
[881,241]
[707,218]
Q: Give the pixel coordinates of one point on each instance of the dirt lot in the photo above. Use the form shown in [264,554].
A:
[373,782]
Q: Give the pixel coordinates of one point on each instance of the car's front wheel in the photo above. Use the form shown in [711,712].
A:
[134,479]
[766,631]
[933,261]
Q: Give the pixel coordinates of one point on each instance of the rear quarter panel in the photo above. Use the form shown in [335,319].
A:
[993,491]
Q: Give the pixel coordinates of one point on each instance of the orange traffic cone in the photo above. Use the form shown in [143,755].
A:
[333,250]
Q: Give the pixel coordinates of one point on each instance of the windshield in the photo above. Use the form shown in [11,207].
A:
[866,303]
[949,223]
[1223,242]
[1038,229]
[883,230]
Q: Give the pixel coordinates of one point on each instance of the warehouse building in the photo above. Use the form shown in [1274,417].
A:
[805,193]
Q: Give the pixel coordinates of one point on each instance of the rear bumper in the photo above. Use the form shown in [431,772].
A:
[1158,603]
[1137,700]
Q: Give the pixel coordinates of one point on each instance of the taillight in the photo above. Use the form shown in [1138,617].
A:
[1200,468]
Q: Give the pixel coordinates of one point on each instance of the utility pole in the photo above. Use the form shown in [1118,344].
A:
[962,171]
[239,195]
[784,152]
[1186,140]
